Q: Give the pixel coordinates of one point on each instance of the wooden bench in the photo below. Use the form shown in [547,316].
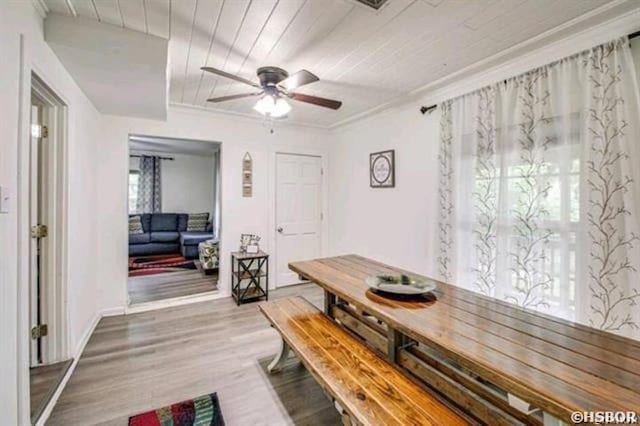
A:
[367,387]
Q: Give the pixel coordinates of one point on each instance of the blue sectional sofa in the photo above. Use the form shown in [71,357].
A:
[166,233]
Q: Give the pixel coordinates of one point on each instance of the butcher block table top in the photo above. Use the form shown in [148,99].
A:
[555,365]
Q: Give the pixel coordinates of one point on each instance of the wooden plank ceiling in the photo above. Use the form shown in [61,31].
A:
[363,57]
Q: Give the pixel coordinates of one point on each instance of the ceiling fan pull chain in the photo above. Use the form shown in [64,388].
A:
[268,122]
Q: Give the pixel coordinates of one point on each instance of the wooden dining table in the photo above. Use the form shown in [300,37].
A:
[499,362]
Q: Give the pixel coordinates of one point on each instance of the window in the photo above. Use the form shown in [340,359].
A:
[134,181]
[557,184]
[536,192]
[527,219]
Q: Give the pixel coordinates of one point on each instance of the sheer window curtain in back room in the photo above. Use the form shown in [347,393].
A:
[539,192]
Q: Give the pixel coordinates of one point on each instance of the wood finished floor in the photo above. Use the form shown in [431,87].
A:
[139,362]
[44,380]
[170,285]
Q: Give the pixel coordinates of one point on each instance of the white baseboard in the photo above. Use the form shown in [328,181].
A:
[76,357]
[112,312]
[177,301]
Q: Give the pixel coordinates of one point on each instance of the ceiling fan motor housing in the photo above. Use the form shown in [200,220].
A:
[270,76]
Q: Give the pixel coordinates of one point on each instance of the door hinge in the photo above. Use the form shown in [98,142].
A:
[38,331]
[321,216]
[321,171]
[39,131]
[39,231]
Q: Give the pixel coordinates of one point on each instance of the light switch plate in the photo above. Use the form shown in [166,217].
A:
[4,200]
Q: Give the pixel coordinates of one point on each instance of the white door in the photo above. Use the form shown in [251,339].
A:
[298,212]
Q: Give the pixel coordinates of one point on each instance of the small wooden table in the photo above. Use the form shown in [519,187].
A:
[483,353]
[249,276]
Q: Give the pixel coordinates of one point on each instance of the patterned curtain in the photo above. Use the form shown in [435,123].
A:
[150,185]
[539,191]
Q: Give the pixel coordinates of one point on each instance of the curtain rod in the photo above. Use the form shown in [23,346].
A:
[428,109]
[140,156]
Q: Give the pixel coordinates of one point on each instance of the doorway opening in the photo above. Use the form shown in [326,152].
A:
[174,219]
[299,212]
[49,355]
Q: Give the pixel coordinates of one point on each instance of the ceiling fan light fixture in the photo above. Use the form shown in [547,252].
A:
[281,108]
[272,107]
[265,105]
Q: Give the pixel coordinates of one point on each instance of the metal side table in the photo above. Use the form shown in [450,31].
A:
[249,276]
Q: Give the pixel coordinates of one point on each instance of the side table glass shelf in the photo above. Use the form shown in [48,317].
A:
[249,276]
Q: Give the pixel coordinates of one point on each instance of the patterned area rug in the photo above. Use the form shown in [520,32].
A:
[151,265]
[201,411]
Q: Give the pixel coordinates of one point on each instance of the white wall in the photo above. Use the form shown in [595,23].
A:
[84,128]
[394,225]
[187,182]
[237,135]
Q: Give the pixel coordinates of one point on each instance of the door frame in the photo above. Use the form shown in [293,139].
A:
[324,228]
[182,300]
[27,68]
[55,347]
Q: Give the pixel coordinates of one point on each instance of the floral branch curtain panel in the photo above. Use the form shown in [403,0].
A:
[150,186]
[539,192]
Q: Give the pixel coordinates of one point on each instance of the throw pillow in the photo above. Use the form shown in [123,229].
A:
[197,222]
[135,225]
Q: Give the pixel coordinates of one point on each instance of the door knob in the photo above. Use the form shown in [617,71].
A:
[280,229]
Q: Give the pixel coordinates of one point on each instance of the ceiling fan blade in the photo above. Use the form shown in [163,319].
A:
[231,76]
[232,97]
[323,102]
[298,79]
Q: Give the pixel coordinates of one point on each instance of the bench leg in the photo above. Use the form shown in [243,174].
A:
[329,301]
[280,358]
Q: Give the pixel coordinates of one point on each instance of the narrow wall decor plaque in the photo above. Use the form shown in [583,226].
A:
[247,175]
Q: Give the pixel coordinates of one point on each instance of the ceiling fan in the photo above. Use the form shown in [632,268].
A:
[275,85]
